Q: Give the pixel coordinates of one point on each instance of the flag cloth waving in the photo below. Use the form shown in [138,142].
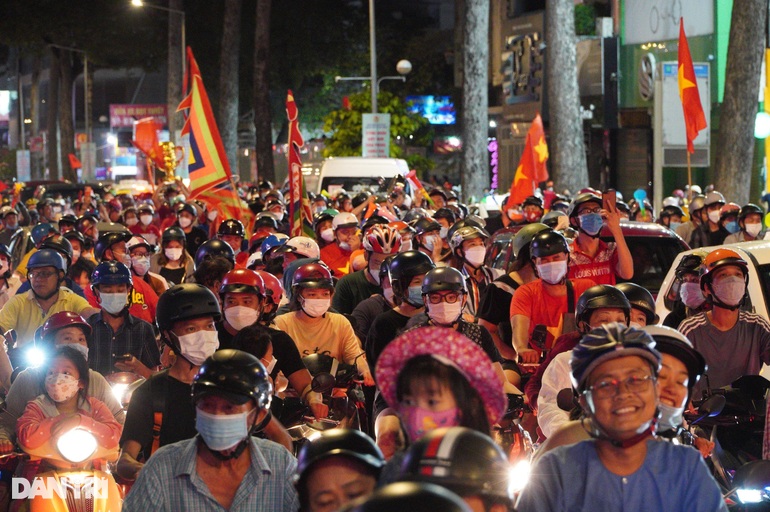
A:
[300,216]
[531,169]
[694,118]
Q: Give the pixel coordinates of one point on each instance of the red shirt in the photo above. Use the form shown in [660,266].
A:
[144,300]
[601,268]
[336,259]
[151,233]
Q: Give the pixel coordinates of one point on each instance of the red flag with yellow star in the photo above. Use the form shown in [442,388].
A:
[694,117]
[531,169]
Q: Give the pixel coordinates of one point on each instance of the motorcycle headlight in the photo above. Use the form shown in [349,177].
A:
[749,495]
[518,476]
[119,391]
[34,356]
[76,445]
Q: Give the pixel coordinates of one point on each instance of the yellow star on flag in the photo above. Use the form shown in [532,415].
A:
[542,150]
[683,83]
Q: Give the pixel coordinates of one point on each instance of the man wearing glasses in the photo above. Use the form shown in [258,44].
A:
[590,257]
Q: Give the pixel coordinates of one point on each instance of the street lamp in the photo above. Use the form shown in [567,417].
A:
[140,3]
[404,67]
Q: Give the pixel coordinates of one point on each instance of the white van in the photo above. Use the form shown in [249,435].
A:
[355,174]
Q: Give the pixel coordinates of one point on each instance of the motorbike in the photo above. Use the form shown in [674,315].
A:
[516,441]
[123,385]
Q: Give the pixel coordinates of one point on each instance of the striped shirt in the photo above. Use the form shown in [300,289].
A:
[135,337]
[170,482]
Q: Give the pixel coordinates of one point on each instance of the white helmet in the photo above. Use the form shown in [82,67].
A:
[302,246]
[344,220]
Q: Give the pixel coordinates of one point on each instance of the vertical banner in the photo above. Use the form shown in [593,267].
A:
[23,170]
[375,142]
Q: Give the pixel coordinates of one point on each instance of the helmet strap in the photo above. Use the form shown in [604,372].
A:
[714,300]
[245,442]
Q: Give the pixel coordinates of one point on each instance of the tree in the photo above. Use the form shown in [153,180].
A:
[262,117]
[567,151]
[174,83]
[228,80]
[739,106]
[474,167]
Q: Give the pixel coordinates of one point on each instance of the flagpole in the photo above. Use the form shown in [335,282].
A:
[689,176]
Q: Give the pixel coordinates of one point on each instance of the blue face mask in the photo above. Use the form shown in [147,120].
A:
[221,431]
[732,226]
[415,296]
[591,223]
[674,226]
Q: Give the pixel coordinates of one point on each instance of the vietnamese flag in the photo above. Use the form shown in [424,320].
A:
[531,169]
[694,117]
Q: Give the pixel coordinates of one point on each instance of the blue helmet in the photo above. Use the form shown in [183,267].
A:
[111,272]
[41,231]
[272,242]
[46,258]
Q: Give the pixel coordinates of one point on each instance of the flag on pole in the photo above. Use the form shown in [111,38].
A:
[300,216]
[531,169]
[74,162]
[694,117]
[146,139]
[224,199]
[207,160]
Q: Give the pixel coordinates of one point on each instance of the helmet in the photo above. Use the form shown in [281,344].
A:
[546,243]
[437,192]
[360,199]
[266,185]
[41,231]
[672,342]
[382,239]
[471,220]
[698,203]
[713,197]
[111,272]
[426,224]
[235,374]
[748,209]
[272,242]
[719,258]
[402,227]
[266,221]
[443,278]
[242,280]
[231,227]
[46,258]
[344,220]
[146,208]
[173,233]
[600,296]
[5,251]
[183,302]
[7,210]
[139,241]
[272,288]
[107,240]
[313,275]
[607,342]
[534,201]
[212,249]
[466,233]
[672,209]
[323,216]
[640,298]
[405,266]
[691,264]
[551,219]
[302,246]
[409,496]
[581,199]
[373,221]
[339,442]
[445,213]
[462,460]
[61,320]
[58,243]
[413,215]
[671,201]
[186,207]
[729,209]
[74,235]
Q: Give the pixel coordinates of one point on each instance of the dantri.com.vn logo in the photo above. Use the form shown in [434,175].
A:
[78,487]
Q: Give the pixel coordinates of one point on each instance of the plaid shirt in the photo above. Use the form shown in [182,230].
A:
[135,337]
[169,481]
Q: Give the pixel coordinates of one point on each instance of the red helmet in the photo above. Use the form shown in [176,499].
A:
[313,275]
[382,239]
[61,320]
[272,289]
[242,280]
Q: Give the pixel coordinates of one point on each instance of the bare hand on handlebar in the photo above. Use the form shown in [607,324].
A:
[528,356]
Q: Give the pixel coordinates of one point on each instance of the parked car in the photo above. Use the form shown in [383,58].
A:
[654,249]
[67,189]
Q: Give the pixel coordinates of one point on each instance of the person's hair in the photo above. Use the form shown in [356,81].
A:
[80,266]
[162,260]
[212,270]
[253,339]
[425,368]
[301,485]
[75,358]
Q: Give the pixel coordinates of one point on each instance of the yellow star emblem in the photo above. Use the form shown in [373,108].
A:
[541,148]
[683,83]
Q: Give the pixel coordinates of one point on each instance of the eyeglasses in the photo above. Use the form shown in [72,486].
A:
[41,274]
[586,211]
[610,388]
[449,298]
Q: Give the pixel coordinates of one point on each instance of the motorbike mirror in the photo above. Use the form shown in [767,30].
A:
[322,383]
[712,406]
[565,399]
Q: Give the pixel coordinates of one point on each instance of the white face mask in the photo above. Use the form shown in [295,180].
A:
[198,346]
[444,313]
[730,290]
[145,219]
[185,222]
[553,272]
[443,232]
[316,307]
[61,387]
[344,246]
[406,245]
[327,235]
[3,267]
[271,365]
[388,294]
[475,256]
[113,303]
[714,216]
[132,222]
[691,294]
[671,418]
[430,242]
[375,273]
[635,325]
[173,253]
[241,316]
[141,265]
[753,229]
[75,256]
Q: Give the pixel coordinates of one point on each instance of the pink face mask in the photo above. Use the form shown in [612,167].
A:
[419,421]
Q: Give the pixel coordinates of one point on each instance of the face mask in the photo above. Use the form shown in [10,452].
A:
[714,216]
[388,294]
[241,316]
[475,256]
[670,417]
[212,215]
[732,227]
[635,325]
[591,223]
[75,256]
[532,216]
[344,246]
[185,222]
[12,226]
[730,290]
[406,245]
[429,242]
[674,226]
[419,421]
[277,216]
[753,229]
[691,294]
[77,346]
[271,365]
[443,232]
[221,431]
[113,303]
[141,265]
[444,313]
[133,221]
[145,219]
[415,296]
[316,307]
[173,254]
[126,260]
[553,272]
[3,267]
[327,235]
[198,346]
[61,387]
[375,273]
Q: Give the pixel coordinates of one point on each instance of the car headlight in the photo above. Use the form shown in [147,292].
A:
[77,445]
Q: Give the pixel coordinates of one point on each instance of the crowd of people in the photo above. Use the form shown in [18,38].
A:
[216,316]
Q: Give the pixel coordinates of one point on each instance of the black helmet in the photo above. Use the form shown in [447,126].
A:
[409,496]
[237,375]
[748,209]
[74,235]
[534,201]
[465,233]
[186,207]
[405,266]
[672,209]
[442,279]
[640,298]
[266,222]
[426,224]
[107,240]
[183,302]
[524,237]
[463,460]
[339,442]
[600,296]
[580,199]
[691,264]
[470,220]
[546,243]
[551,219]
[672,342]
[360,199]
[413,215]
[68,219]
[61,244]
[445,213]
[173,233]
[213,248]
[321,217]
[231,227]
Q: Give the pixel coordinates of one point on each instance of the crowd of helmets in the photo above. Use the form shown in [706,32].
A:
[163,240]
